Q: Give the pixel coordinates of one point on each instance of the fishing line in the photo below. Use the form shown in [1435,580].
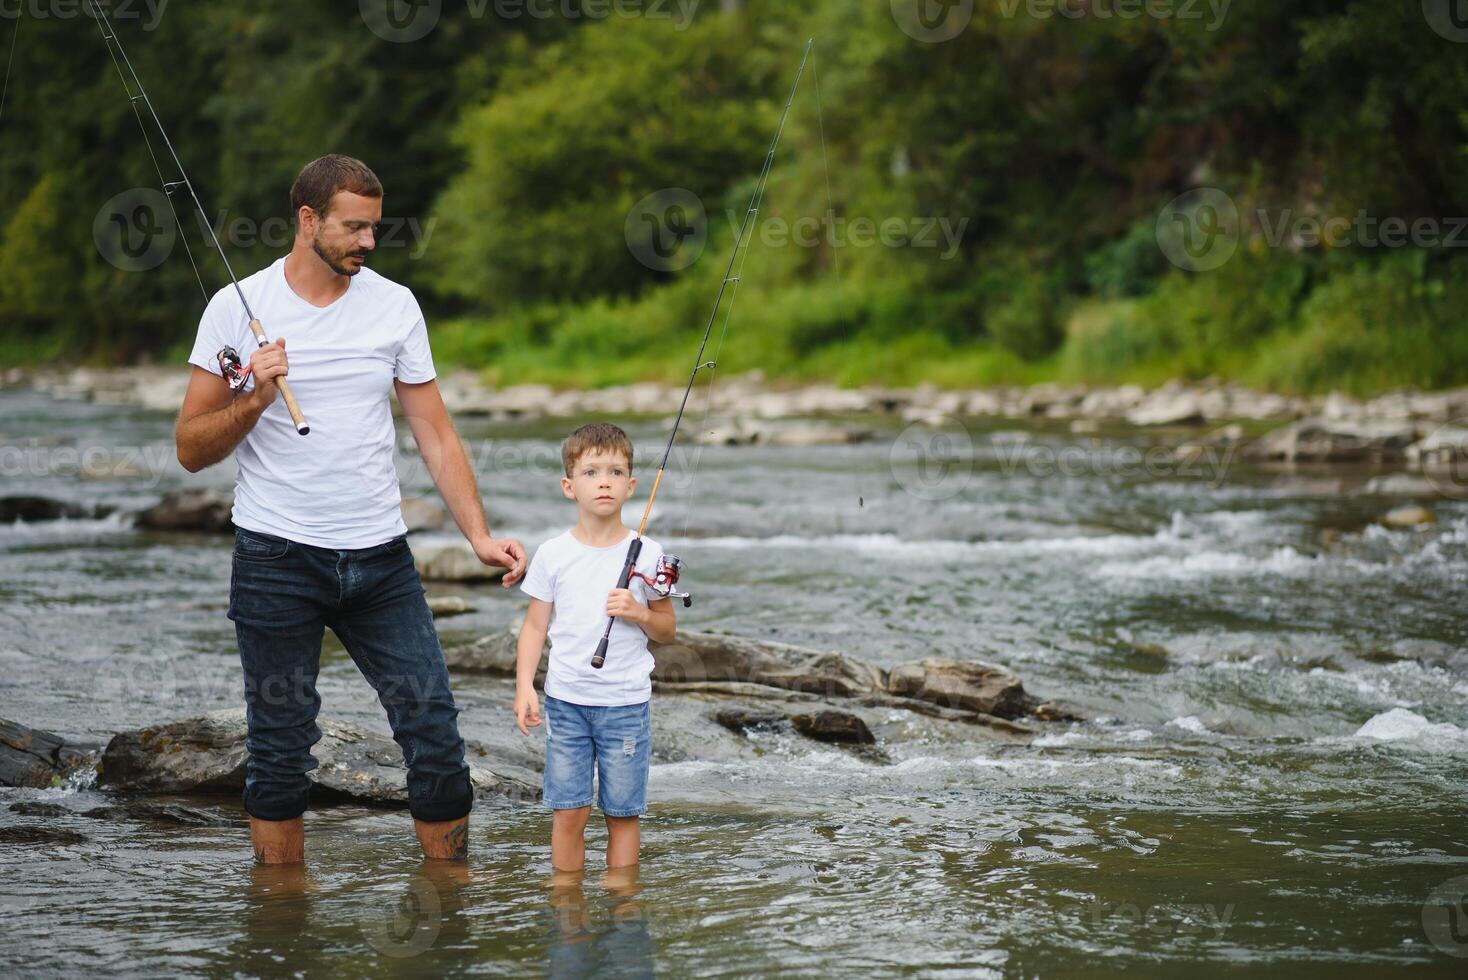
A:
[15,36]
[111,39]
[668,566]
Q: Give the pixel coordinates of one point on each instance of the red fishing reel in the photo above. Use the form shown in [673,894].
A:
[234,370]
[666,576]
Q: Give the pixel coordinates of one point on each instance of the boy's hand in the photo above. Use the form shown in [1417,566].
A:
[621,603]
[527,710]
[505,553]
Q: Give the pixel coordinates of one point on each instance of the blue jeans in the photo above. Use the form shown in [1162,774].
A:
[614,740]
[282,596]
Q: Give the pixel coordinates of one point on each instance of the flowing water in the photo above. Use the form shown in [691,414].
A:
[1272,777]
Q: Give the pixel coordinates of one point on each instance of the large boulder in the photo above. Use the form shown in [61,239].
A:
[191,510]
[31,757]
[694,657]
[967,685]
[207,755]
[829,725]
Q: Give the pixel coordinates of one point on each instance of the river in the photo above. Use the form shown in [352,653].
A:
[1272,775]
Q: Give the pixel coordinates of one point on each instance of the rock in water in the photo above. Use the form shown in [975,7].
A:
[834,726]
[454,562]
[448,605]
[207,754]
[30,757]
[964,684]
[191,510]
[29,509]
[1409,517]
[423,514]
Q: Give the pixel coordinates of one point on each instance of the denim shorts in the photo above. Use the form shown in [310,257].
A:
[283,595]
[615,740]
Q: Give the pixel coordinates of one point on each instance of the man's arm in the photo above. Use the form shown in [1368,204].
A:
[448,464]
[214,419]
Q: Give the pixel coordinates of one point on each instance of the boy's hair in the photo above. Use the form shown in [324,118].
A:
[320,181]
[597,435]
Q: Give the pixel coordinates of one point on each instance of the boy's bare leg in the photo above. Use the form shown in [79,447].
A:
[446,840]
[568,839]
[624,841]
[278,841]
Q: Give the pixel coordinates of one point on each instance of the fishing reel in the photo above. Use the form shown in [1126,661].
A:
[234,370]
[666,576]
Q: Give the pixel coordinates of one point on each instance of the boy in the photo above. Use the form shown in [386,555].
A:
[593,716]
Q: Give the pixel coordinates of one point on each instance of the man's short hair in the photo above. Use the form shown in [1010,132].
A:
[323,179]
[597,435]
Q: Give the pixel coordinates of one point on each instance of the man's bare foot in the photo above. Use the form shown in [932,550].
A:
[278,841]
[444,839]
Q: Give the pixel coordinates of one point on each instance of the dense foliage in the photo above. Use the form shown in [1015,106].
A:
[993,207]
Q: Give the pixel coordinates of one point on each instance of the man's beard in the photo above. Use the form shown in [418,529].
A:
[337,263]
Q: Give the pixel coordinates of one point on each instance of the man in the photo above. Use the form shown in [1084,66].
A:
[320,540]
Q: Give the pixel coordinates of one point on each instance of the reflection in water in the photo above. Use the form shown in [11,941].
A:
[609,939]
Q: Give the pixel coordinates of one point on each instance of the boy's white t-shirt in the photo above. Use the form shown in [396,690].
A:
[577,577]
[336,487]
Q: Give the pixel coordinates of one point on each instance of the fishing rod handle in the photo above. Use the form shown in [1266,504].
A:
[297,416]
[633,551]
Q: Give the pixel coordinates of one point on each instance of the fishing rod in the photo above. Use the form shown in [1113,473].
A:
[229,360]
[670,567]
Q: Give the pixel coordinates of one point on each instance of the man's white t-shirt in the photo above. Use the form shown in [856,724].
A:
[338,486]
[577,577]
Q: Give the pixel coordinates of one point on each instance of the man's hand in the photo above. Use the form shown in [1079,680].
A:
[527,709]
[267,364]
[621,603]
[505,553]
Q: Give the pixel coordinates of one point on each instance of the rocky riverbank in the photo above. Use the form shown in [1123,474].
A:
[1411,429]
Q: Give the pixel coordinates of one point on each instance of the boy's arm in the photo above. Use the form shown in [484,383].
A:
[527,662]
[656,618]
